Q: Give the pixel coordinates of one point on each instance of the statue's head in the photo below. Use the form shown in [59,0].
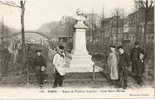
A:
[79,12]
[80,15]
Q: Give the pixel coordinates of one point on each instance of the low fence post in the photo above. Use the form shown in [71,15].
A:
[94,72]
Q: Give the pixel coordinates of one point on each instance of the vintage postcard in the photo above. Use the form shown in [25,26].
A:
[65,49]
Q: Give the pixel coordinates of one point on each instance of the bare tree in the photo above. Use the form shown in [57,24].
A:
[116,15]
[22,7]
[69,26]
[146,5]
[117,21]
[102,29]
[92,26]
[137,22]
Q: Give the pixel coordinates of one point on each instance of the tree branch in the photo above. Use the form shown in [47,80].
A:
[24,2]
[151,5]
[146,3]
[9,4]
[142,3]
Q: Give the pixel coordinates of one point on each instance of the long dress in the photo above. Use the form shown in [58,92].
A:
[113,66]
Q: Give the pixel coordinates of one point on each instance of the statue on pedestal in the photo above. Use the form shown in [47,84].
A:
[81,60]
[80,17]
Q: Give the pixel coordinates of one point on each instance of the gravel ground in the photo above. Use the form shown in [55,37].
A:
[17,81]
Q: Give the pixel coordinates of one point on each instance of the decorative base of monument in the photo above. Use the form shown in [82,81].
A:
[82,64]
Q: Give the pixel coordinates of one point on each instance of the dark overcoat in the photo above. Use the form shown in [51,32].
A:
[122,69]
[134,56]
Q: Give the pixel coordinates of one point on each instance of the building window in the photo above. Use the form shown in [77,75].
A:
[149,38]
[152,37]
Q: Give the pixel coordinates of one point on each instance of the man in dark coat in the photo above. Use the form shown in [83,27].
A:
[141,67]
[123,64]
[40,65]
[135,59]
[135,52]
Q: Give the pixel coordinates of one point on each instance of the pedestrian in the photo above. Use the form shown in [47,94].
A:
[59,62]
[135,59]
[113,65]
[134,56]
[40,66]
[141,67]
[123,65]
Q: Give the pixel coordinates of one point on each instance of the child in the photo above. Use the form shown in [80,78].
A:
[122,66]
[141,69]
[40,66]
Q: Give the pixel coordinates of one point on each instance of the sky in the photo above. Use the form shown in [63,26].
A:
[39,12]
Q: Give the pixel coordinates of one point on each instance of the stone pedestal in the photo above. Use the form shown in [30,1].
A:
[81,60]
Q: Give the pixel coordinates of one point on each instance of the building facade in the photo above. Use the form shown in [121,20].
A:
[119,30]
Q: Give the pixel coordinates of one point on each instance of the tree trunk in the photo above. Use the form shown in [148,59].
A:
[144,39]
[145,30]
[102,42]
[23,31]
[154,61]
[23,41]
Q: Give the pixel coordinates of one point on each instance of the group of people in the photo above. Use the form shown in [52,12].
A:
[58,61]
[119,64]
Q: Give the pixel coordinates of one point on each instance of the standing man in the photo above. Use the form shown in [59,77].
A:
[113,65]
[141,67]
[59,62]
[122,67]
[135,59]
[40,66]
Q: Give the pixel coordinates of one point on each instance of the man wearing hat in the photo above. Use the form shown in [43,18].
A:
[59,62]
[135,58]
[141,67]
[40,66]
[123,65]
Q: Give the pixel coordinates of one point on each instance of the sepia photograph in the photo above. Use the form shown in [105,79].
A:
[77,49]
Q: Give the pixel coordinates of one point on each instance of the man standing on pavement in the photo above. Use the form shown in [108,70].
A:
[123,65]
[135,59]
[141,66]
[59,62]
[40,66]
